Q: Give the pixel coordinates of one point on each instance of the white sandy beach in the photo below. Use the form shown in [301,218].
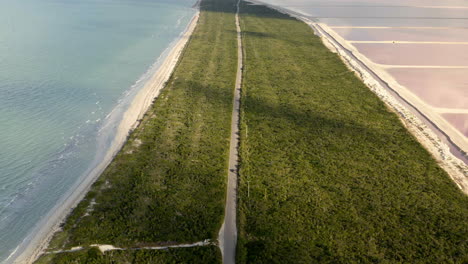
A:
[36,244]
[379,82]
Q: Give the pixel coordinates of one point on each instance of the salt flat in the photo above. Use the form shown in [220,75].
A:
[415,54]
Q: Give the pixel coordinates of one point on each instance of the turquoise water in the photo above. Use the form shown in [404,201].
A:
[65,65]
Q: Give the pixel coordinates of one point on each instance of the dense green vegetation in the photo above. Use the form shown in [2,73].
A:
[167,185]
[328,173]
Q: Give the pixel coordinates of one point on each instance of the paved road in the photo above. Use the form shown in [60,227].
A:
[228,233]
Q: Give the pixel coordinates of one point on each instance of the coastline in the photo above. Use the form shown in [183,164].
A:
[37,242]
[376,80]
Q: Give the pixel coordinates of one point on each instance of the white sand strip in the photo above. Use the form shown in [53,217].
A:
[405,42]
[104,248]
[73,249]
[206,242]
[142,101]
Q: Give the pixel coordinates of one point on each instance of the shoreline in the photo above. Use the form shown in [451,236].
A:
[38,241]
[376,81]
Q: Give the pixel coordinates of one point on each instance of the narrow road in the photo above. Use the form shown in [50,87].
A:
[228,233]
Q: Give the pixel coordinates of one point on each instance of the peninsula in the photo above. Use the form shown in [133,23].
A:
[327,172]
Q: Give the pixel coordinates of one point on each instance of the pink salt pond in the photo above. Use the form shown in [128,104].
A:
[459,121]
[415,54]
[444,88]
[404,34]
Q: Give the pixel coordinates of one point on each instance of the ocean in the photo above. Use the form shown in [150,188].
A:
[68,71]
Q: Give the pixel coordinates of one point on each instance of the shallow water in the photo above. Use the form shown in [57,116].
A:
[64,67]
[384,23]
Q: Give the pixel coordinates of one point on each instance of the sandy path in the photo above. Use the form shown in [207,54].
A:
[228,233]
[38,242]
[105,248]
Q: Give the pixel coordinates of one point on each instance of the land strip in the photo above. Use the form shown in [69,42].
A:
[328,173]
[202,254]
[167,185]
[228,232]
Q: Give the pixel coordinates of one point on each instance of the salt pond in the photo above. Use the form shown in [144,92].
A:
[421,44]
